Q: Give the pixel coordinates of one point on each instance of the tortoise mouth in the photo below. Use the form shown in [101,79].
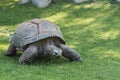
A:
[57,57]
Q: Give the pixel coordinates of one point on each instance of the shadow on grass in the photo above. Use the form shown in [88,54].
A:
[12,13]
[99,35]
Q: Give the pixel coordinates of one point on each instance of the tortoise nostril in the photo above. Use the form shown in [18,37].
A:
[55,53]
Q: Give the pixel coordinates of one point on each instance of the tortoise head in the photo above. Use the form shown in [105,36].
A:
[54,51]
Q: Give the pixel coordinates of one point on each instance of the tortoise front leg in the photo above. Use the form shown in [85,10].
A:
[11,51]
[29,55]
[71,54]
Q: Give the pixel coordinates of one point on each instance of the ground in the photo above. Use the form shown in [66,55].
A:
[92,29]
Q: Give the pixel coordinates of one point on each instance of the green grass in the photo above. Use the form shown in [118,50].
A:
[92,29]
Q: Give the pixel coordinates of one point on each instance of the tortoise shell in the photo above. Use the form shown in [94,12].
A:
[35,30]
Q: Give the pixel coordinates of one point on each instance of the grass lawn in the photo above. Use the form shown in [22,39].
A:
[92,29]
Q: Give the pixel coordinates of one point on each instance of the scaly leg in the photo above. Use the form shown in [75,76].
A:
[71,54]
[29,54]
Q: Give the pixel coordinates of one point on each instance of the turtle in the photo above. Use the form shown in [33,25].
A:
[39,37]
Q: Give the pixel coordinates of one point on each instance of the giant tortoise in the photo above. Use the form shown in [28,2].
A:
[40,37]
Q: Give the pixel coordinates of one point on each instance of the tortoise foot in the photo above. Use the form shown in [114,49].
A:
[24,61]
[9,54]
[76,60]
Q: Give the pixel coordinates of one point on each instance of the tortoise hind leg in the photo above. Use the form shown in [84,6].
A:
[71,54]
[11,51]
[29,54]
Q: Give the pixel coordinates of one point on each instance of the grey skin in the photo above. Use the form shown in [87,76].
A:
[50,46]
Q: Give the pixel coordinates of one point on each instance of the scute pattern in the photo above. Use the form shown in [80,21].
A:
[35,30]
[30,31]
